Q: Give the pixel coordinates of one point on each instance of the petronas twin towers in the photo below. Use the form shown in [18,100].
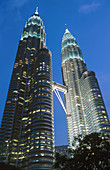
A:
[27,128]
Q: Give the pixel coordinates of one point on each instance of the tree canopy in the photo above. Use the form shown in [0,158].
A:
[91,152]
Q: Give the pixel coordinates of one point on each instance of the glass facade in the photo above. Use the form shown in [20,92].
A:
[94,107]
[27,129]
[86,112]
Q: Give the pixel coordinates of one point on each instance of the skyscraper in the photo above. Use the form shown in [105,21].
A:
[27,130]
[86,112]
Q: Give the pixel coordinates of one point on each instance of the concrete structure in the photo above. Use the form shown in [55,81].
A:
[85,109]
[27,129]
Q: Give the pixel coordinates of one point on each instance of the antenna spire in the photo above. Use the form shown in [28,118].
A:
[36,10]
[66,30]
[66,26]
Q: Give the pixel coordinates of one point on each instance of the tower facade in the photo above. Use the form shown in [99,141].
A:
[86,112]
[27,130]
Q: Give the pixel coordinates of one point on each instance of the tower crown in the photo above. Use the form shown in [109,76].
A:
[69,42]
[34,27]
[68,36]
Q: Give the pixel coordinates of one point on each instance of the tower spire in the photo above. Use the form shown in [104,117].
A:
[66,30]
[66,26]
[36,10]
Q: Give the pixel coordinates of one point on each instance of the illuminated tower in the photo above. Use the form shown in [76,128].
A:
[27,130]
[86,112]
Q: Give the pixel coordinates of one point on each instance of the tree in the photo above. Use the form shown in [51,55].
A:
[91,152]
[62,162]
[59,161]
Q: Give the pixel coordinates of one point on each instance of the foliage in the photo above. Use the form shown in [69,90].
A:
[60,161]
[91,152]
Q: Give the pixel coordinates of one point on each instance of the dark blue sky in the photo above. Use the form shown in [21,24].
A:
[87,20]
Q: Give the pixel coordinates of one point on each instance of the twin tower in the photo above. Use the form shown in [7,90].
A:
[27,128]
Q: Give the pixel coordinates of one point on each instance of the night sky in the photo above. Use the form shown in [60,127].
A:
[87,20]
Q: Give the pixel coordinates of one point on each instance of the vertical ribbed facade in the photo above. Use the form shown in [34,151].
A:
[82,110]
[26,134]
[94,107]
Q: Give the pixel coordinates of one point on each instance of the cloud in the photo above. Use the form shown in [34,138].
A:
[88,8]
[18,3]
[11,10]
